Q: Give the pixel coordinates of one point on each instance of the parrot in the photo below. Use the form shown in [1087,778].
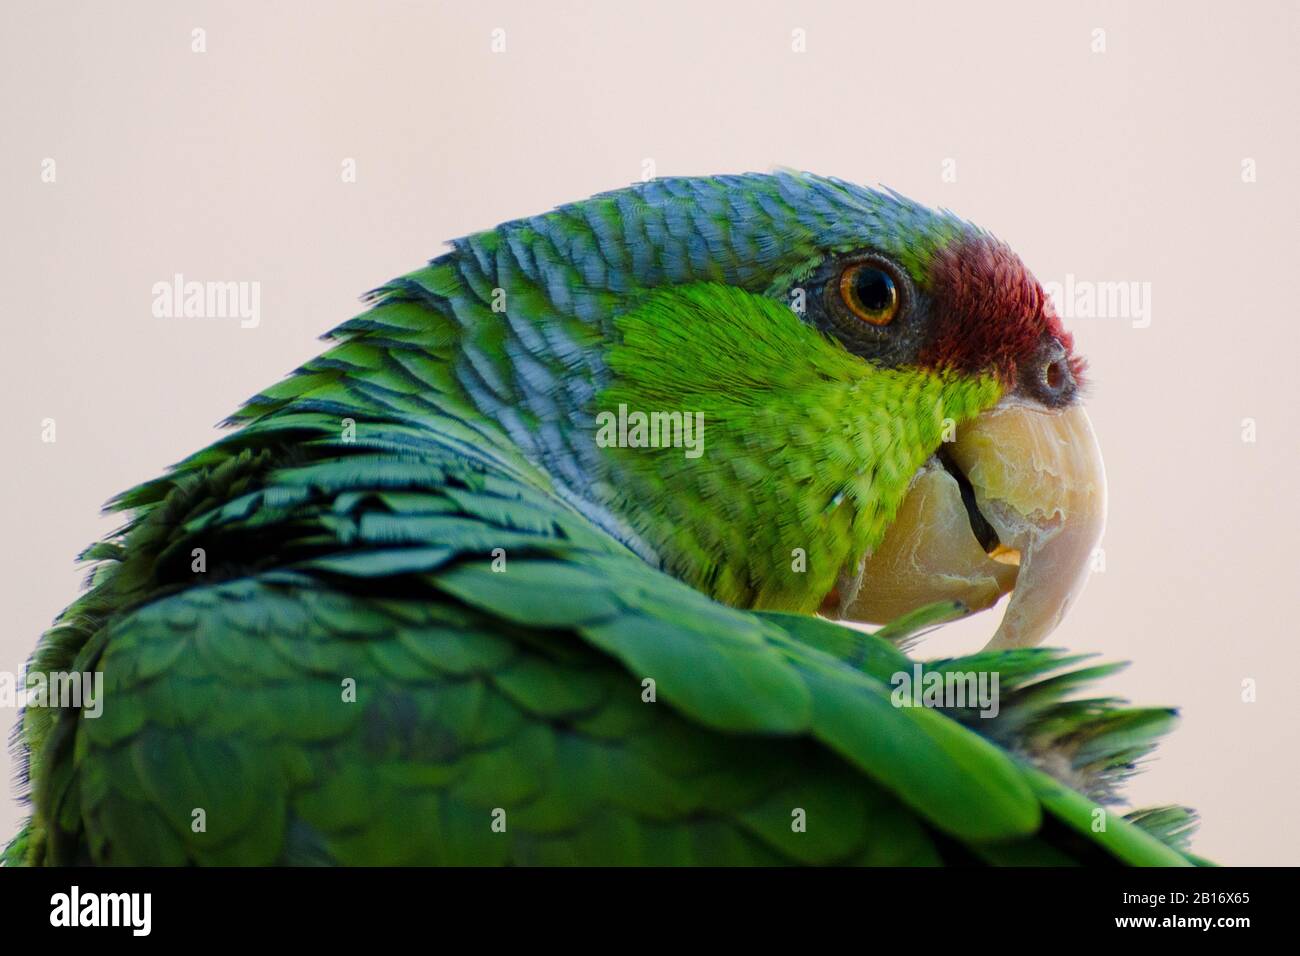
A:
[569,548]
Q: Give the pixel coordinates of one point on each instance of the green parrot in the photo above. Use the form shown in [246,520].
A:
[544,561]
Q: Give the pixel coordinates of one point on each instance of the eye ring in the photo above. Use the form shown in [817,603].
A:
[870,293]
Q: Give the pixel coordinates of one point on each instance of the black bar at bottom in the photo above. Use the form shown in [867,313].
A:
[333,905]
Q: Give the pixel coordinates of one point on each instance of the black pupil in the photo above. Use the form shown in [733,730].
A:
[874,289]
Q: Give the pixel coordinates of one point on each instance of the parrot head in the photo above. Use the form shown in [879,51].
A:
[798,394]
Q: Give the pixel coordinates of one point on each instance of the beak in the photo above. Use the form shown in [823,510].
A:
[1016,504]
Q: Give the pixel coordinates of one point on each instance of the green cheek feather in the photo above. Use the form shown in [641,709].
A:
[807,450]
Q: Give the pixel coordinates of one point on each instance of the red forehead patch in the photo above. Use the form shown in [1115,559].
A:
[990,312]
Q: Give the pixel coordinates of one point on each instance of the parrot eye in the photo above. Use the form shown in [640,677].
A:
[870,293]
[867,302]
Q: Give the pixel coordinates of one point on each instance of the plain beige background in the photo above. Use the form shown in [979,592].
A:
[1117,165]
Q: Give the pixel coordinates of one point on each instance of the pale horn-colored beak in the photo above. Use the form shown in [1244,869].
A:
[1037,480]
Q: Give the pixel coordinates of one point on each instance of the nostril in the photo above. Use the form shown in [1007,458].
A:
[1056,376]
[1049,377]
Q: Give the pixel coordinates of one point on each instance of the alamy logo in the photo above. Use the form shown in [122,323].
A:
[103,909]
[651,430]
[75,689]
[1085,299]
[179,299]
[947,689]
